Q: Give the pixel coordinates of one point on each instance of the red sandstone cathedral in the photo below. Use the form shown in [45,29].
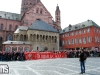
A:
[31,10]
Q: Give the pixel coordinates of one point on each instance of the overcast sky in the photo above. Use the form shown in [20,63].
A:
[72,11]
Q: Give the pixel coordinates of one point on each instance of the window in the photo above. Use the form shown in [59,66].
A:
[94,29]
[25,38]
[84,31]
[57,13]
[26,49]
[76,32]
[16,27]
[80,40]
[8,17]
[68,34]
[72,33]
[97,30]
[8,49]
[1,28]
[10,27]
[26,22]
[37,10]
[84,40]
[63,35]
[20,48]
[88,30]
[67,42]
[80,32]
[76,40]
[62,42]
[95,39]
[73,41]
[9,37]
[89,39]
[41,11]
[14,48]
[98,39]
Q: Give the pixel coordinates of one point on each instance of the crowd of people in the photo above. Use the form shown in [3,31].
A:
[76,53]
[19,55]
[11,56]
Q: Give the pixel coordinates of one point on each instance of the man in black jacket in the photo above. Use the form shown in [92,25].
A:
[82,61]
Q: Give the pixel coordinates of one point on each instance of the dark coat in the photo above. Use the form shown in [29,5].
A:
[82,57]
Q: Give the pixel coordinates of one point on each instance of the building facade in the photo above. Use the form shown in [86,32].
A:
[31,11]
[82,35]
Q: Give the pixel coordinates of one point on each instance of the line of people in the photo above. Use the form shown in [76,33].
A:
[89,53]
[11,56]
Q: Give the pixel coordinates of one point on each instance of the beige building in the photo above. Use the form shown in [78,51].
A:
[41,35]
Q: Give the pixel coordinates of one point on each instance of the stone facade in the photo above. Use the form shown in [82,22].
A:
[40,40]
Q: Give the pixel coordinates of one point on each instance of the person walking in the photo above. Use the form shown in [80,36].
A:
[82,60]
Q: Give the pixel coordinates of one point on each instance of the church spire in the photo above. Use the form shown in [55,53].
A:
[57,16]
[27,4]
[57,8]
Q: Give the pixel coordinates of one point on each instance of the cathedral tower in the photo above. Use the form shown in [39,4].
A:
[57,16]
[27,4]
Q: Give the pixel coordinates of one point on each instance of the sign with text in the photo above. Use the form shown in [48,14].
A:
[4,69]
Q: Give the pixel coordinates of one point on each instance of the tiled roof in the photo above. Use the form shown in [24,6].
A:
[85,24]
[41,25]
[21,28]
[11,16]
[15,42]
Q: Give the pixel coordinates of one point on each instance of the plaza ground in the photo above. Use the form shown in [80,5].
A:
[59,66]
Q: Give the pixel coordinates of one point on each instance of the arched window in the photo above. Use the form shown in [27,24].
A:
[14,48]
[0,38]
[26,49]
[9,37]
[1,28]
[10,27]
[16,27]
[37,10]
[7,49]
[25,38]
[57,13]
[20,48]
[41,11]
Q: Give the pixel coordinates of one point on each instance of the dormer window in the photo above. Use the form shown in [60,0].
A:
[75,27]
[83,25]
[69,28]
[88,20]
[63,30]
[8,17]
[70,25]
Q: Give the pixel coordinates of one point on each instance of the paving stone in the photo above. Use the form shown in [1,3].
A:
[60,66]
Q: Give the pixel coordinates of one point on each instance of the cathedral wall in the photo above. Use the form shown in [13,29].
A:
[7,27]
[36,12]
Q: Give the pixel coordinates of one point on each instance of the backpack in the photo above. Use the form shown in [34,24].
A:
[85,56]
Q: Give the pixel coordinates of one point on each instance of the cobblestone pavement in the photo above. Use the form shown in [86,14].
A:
[65,66]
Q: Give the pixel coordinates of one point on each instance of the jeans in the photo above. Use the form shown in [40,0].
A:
[82,65]
[0,58]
